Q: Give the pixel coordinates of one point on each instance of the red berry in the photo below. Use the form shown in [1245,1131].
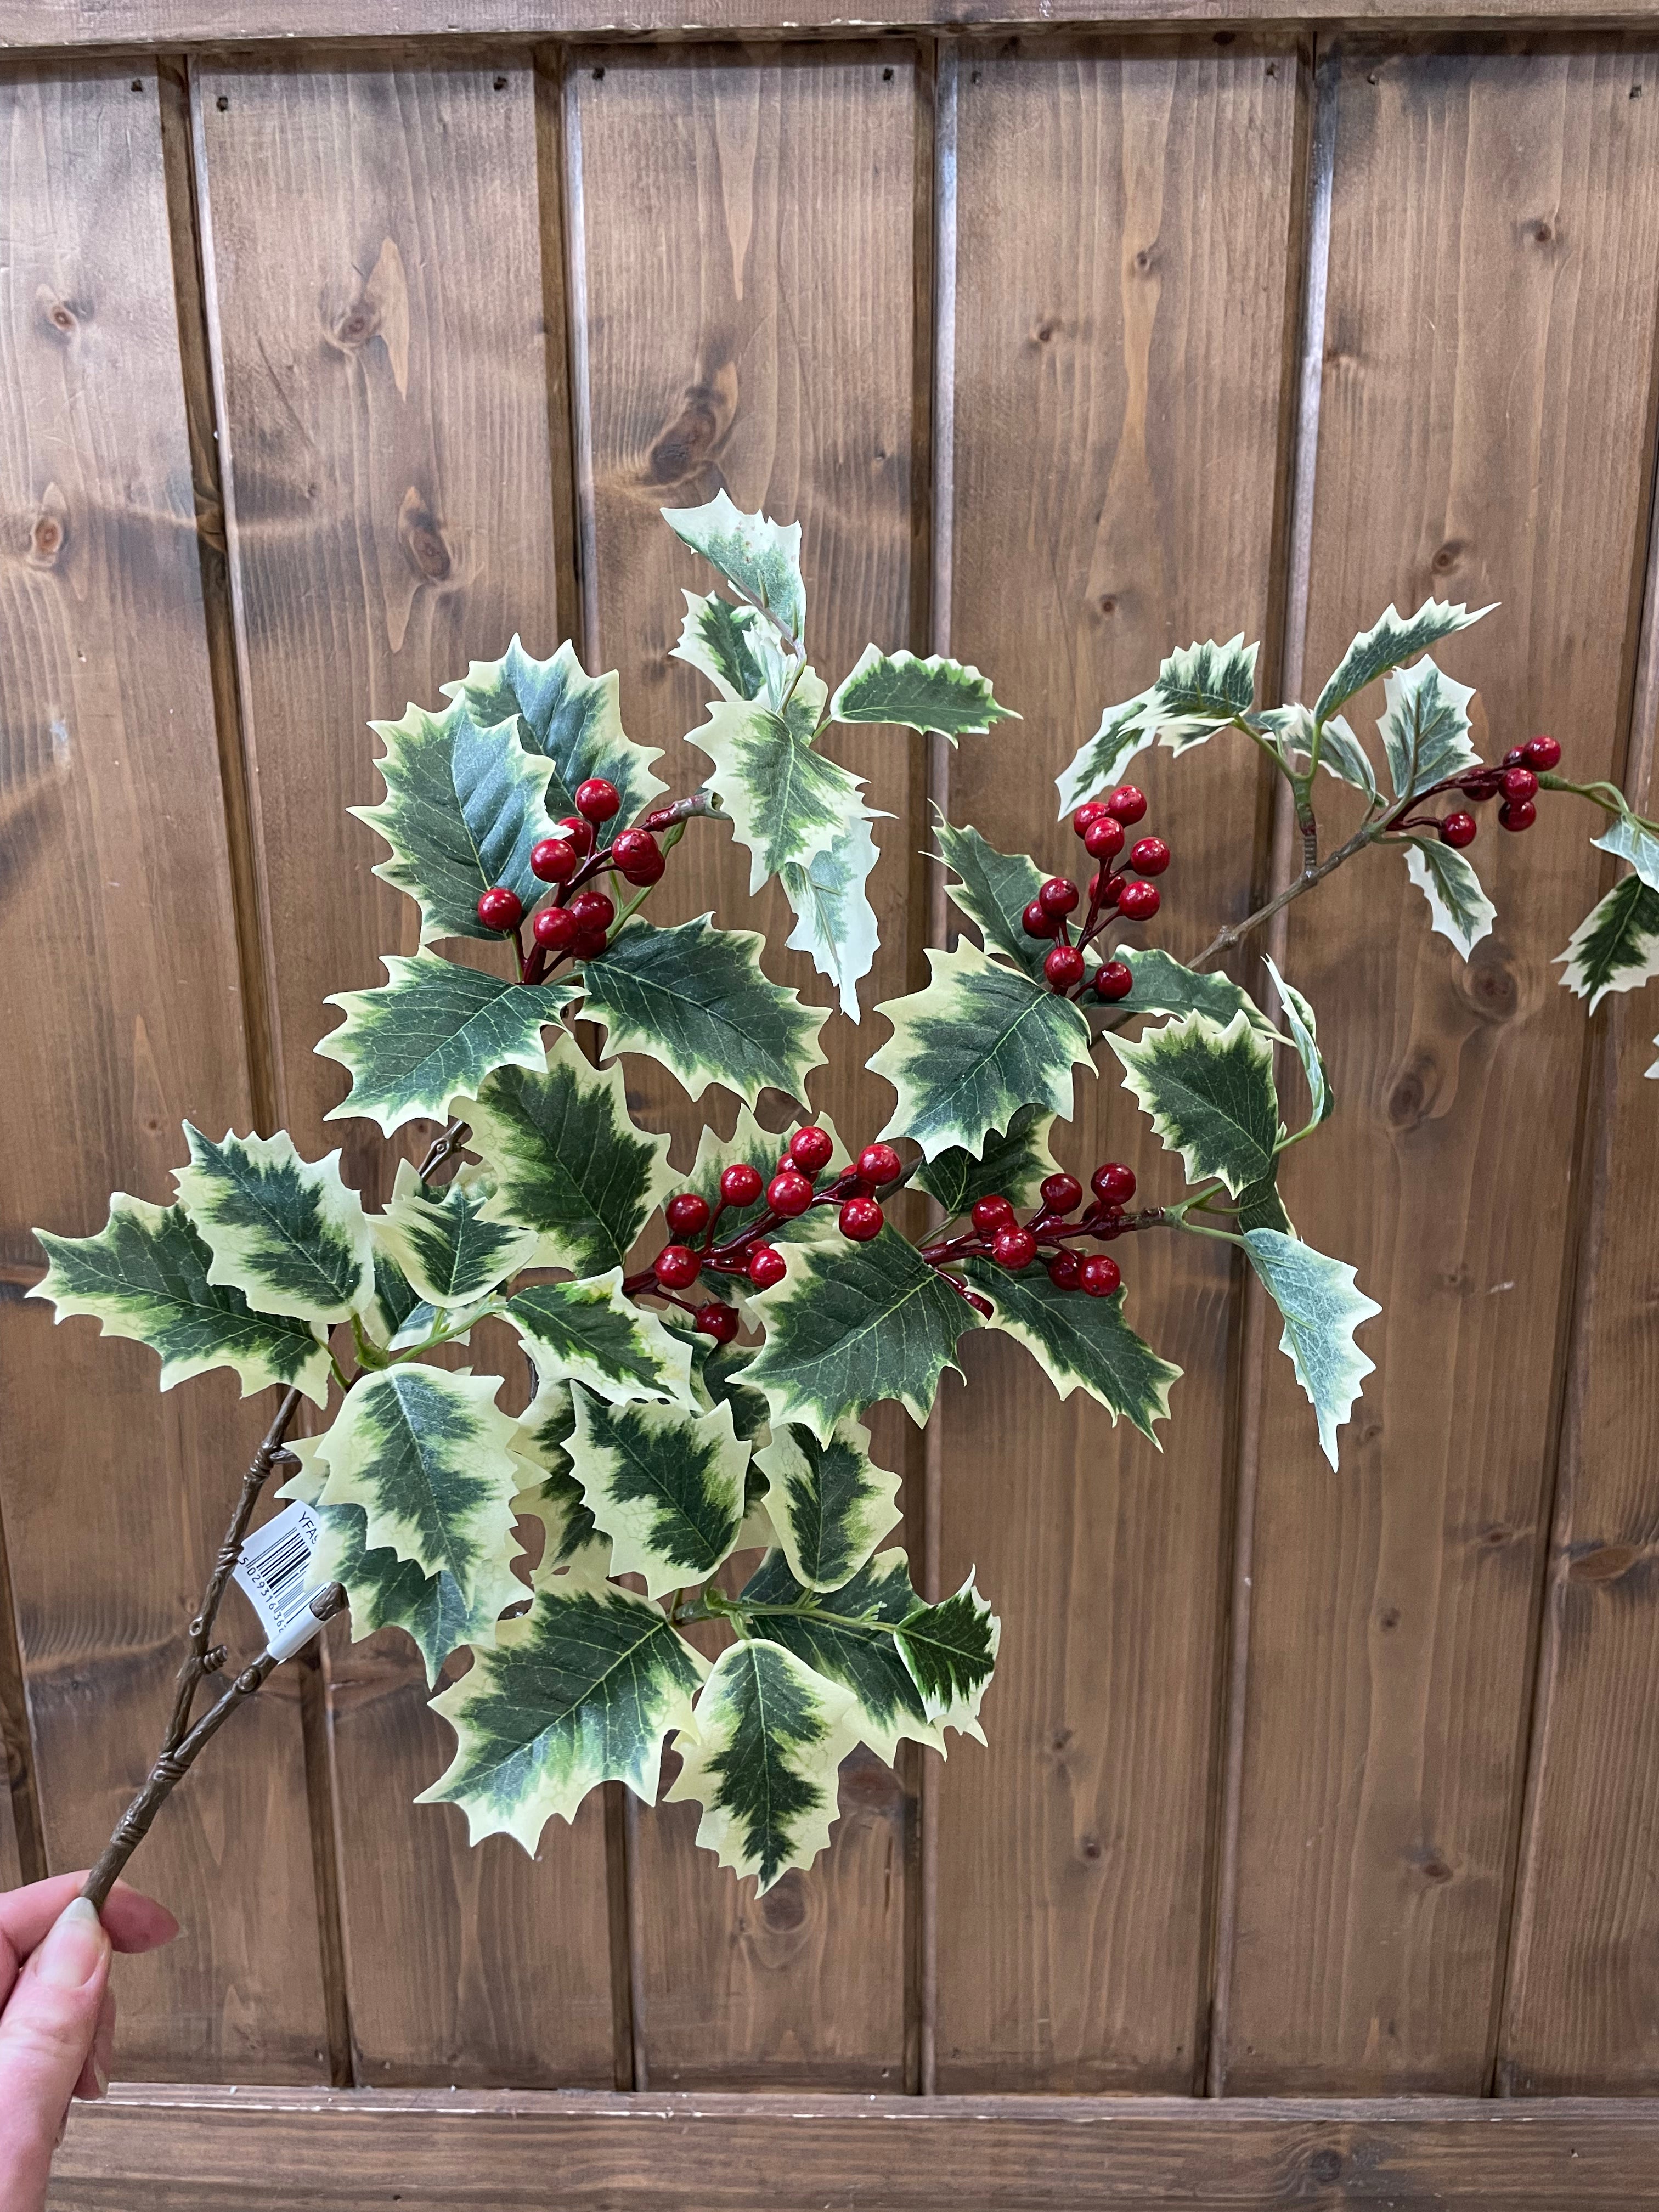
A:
[630,845]
[1519,783]
[647,869]
[879,1164]
[1104,891]
[1061,1193]
[1127,803]
[740,1184]
[501,909]
[991,1214]
[1150,855]
[589,944]
[1116,981]
[1113,1183]
[677,1266]
[686,1214]
[1058,896]
[576,832]
[862,1220]
[1014,1248]
[1542,753]
[1101,1274]
[597,799]
[555,928]
[1063,967]
[810,1150]
[716,1321]
[1103,838]
[1138,901]
[765,1267]
[1483,786]
[1459,829]
[1037,921]
[1089,812]
[592,910]
[1516,757]
[1066,1270]
[1517,814]
[554,859]
[788,1194]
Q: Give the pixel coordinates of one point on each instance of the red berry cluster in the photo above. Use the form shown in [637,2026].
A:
[575,924]
[1103,825]
[998,1233]
[1514,780]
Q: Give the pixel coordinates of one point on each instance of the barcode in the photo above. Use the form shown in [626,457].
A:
[282,1564]
[275,1569]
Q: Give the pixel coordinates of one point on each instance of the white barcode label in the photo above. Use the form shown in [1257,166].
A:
[275,1573]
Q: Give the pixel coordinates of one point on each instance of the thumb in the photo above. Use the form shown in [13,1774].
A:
[46,2033]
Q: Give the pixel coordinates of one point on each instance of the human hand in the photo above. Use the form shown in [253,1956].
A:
[57,2014]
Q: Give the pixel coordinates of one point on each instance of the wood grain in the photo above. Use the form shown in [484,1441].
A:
[763,346]
[1124,284]
[11,1863]
[372,247]
[120,1002]
[1484,435]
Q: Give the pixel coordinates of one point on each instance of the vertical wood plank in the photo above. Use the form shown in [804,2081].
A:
[121,1004]
[1485,434]
[764,343]
[373,254]
[1125,286]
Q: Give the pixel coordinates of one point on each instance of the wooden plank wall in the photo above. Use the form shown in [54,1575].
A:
[321,373]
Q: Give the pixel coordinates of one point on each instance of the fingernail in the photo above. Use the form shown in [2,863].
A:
[74,1949]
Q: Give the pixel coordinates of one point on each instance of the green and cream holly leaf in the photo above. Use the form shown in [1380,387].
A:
[1426,728]
[306,1482]
[566,1159]
[1390,640]
[443,1243]
[571,1538]
[386,1592]
[284,1231]
[951,1650]
[1458,908]
[937,694]
[716,1372]
[392,1303]
[589,1333]
[766,1737]
[1080,1342]
[735,647]
[759,558]
[993,890]
[787,801]
[1304,1035]
[1616,946]
[1208,1091]
[1290,731]
[664,1483]
[433,1030]
[1341,755]
[829,1502]
[1260,1207]
[848,1638]
[1162,986]
[145,1275]
[581,1689]
[1322,1306]
[980,1042]
[1096,766]
[835,925]
[1630,838]
[694,1000]
[423,1451]
[464,805]
[1199,690]
[1012,1165]
[567,718]
[851,1324]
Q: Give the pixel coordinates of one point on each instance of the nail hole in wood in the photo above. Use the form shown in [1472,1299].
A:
[501,85]
[138,84]
[222,102]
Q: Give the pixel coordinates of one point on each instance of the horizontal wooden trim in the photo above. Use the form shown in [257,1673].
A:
[192,2149]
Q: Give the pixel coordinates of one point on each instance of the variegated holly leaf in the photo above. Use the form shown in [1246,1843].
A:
[716,1373]
[571,1538]
[145,1275]
[1632,839]
[1260,1207]
[951,1650]
[835,925]
[1095,767]
[1392,639]
[435,1028]
[464,805]
[1010,1166]
[386,1592]
[423,1451]
[566,1158]
[1080,1342]
[1322,1306]
[589,1333]
[735,647]
[1425,727]
[766,1737]
[1209,1094]
[1304,1035]
[1341,755]
[980,1042]
[1290,731]
[850,1324]
[442,1243]
[392,1303]
[1199,690]
[665,1484]
[829,1502]
[581,1689]
[993,890]
[1616,946]
[848,1638]
[567,718]
[759,558]
[284,1231]
[1459,908]
[788,802]
[694,1000]
[937,694]
[1162,986]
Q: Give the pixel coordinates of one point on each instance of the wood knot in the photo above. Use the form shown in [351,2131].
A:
[1146,259]
[1090,1847]
[1487,984]
[1544,233]
[57,315]
[1602,1563]
[421,535]
[784,1908]
[1107,604]
[1411,1097]
[1043,333]
[1390,1618]
[46,541]
[356,326]
[1447,556]
[684,446]
[1325,2167]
